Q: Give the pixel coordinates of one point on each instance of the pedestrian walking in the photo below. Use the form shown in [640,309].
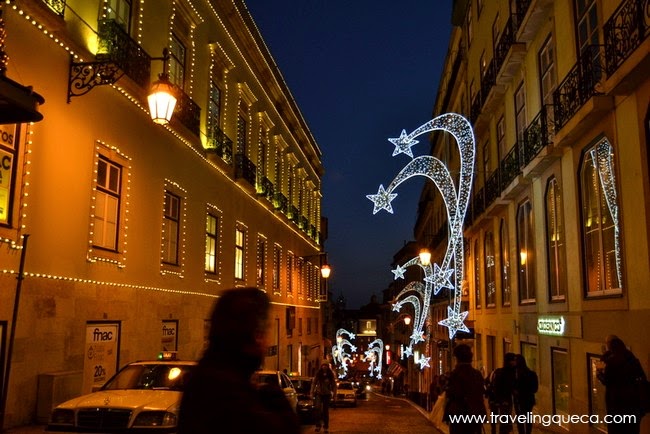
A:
[621,373]
[526,384]
[323,389]
[464,394]
[499,390]
[220,396]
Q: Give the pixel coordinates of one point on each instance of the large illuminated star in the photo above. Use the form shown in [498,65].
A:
[399,272]
[397,307]
[403,144]
[382,200]
[408,352]
[440,278]
[455,321]
[424,362]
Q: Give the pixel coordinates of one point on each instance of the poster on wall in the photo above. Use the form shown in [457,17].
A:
[101,353]
[169,338]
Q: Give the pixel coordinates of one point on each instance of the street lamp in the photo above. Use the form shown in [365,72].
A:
[161,98]
[325,269]
[425,256]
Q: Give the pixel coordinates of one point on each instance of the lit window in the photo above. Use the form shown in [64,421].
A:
[211,243]
[505,264]
[239,253]
[261,262]
[490,271]
[171,224]
[526,248]
[555,241]
[107,204]
[177,59]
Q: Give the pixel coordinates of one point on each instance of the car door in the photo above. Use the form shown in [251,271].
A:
[289,390]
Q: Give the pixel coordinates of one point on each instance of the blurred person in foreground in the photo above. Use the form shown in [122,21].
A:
[465,390]
[220,396]
[323,389]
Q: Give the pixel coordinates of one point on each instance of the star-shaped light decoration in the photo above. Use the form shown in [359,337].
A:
[354,349]
[417,337]
[399,272]
[403,144]
[440,278]
[455,321]
[408,352]
[382,200]
[352,337]
[397,306]
[424,362]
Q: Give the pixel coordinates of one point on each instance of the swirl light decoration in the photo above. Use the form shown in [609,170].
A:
[339,352]
[449,274]
[375,354]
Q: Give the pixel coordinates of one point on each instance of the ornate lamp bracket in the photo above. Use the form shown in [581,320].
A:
[84,76]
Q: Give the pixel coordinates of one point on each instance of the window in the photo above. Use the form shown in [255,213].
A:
[587,17]
[290,265]
[501,138]
[120,11]
[599,217]
[520,113]
[477,275]
[107,204]
[483,65]
[171,228]
[560,370]
[214,111]
[529,351]
[299,326]
[490,264]
[211,243]
[555,241]
[177,59]
[309,326]
[526,248]
[276,269]
[505,264]
[261,262]
[240,236]
[548,76]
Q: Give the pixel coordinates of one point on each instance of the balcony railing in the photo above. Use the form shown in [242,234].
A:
[580,84]
[58,6]
[522,9]
[115,45]
[509,167]
[188,112]
[245,169]
[266,188]
[537,135]
[625,31]
[478,202]
[220,144]
[281,203]
[492,187]
[488,80]
[505,42]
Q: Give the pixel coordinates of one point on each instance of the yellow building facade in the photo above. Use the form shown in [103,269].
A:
[556,237]
[129,230]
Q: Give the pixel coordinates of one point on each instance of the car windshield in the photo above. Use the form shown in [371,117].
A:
[154,376]
[302,386]
[345,386]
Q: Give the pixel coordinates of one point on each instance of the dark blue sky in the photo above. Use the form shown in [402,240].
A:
[360,71]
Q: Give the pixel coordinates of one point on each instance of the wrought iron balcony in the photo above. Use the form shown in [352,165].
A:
[281,203]
[537,135]
[220,144]
[115,45]
[266,188]
[58,6]
[509,167]
[188,112]
[580,84]
[478,202]
[488,80]
[522,9]
[245,169]
[624,32]
[492,187]
[506,40]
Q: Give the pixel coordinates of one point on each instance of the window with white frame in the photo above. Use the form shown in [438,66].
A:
[240,239]
[526,249]
[505,264]
[599,216]
[547,73]
[171,228]
[490,270]
[177,61]
[107,204]
[555,241]
[211,243]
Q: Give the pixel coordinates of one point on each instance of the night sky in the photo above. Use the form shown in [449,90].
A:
[360,71]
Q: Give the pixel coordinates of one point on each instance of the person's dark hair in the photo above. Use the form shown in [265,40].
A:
[521,361]
[616,345]
[463,353]
[238,317]
[509,358]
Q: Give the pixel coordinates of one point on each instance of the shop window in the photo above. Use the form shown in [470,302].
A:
[560,381]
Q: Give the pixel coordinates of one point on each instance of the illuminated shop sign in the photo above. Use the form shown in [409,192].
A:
[551,325]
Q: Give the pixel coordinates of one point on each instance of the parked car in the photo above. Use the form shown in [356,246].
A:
[142,396]
[345,395]
[362,388]
[280,379]
[306,403]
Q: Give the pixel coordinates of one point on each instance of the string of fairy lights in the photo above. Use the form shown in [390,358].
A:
[456,195]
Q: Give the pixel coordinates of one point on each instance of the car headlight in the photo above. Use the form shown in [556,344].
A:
[368,387]
[155,418]
[62,417]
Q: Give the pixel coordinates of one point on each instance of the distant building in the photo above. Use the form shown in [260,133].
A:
[556,237]
[135,228]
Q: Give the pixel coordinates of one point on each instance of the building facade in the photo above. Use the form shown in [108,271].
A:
[129,230]
[556,237]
